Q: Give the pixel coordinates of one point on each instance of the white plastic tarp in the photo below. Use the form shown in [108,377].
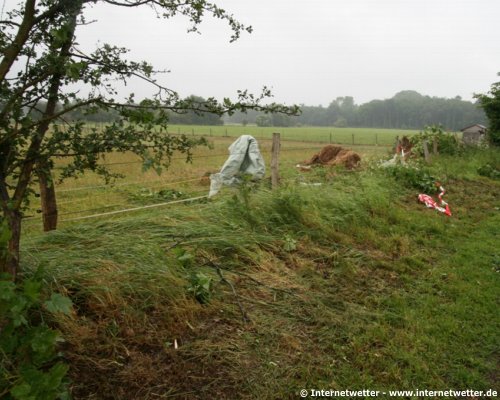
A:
[244,159]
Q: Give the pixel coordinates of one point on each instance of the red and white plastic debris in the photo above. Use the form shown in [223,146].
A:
[431,203]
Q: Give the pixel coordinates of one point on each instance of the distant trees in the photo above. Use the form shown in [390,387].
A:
[263,120]
[190,117]
[491,106]
[407,109]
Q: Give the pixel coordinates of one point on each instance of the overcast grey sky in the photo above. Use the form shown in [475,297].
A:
[312,51]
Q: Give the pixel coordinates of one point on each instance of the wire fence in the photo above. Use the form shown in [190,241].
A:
[100,193]
[344,136]
[352,138]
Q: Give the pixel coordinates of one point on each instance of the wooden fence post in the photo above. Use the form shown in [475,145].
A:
[47,198]
[275,152]
[396,145]
[376,139]
[426,151]
[330,137]
[353,138]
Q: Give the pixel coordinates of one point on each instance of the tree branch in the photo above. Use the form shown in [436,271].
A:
[13,50]
[43,124]
[56,115]
[86,57]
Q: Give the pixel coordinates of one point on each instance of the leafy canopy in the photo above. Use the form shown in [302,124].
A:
[44,73]
[491,106]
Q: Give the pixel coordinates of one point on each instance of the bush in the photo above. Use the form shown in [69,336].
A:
[29,365]
[447,143]
[489,171]
[413,176]
[200,286]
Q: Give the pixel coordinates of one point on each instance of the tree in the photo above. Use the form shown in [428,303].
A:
[190,117]
[41,65]
[341,122]
[491,106]
[263,120]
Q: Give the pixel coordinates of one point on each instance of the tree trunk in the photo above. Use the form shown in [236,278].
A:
[9,262]
[48,199]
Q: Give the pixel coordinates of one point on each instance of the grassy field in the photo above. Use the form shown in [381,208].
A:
[347,285]
[347,136]
[88,194]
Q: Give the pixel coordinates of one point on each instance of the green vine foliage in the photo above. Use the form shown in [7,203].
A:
[30,365]
[447,143]
[200,286]
[414,177]
[490,103]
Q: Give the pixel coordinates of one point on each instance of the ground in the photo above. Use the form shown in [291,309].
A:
[347,285]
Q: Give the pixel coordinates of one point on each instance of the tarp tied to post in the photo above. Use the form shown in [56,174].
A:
[244,159]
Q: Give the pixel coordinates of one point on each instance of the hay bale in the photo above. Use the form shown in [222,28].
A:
[327,154]
[334,155]
[349,159]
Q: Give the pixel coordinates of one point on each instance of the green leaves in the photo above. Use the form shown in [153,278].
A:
[184,257]
[58,304]
[31,289]
[200,285]
[29,345]
[60,35]
[491,106]
[42,341]
[289,243]
[38,385]
[447,143]
[75,69]
[5,236]
[414,176]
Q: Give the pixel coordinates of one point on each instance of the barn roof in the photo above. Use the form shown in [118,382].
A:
[478,125]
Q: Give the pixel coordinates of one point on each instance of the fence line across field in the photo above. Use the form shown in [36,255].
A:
[346,138]
[111,186]
[145,185]
[114,212]
[350,138]
[276,149]
[135,209]
[159,181]
[169,183]
[202,156]
[37,218]
[319,142]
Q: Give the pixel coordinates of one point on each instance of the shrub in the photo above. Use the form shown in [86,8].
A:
[489,171]
[413,176]
[29,364]
[200,286]
[447,143]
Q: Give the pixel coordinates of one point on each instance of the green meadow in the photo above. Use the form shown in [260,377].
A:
[347,136]
[338,280]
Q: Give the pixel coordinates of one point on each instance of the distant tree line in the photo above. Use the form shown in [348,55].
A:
[94,115]
[406,110]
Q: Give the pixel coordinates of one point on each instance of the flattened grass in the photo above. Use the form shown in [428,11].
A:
[351,284]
